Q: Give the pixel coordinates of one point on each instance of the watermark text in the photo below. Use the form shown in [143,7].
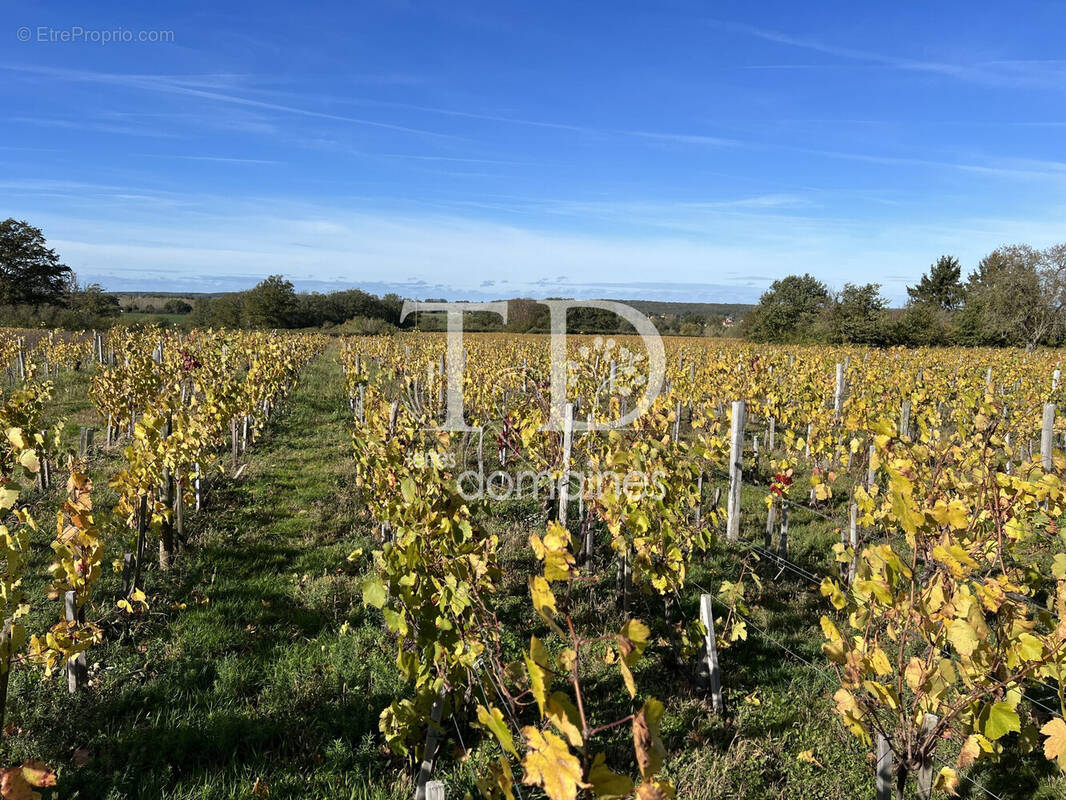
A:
[76,34]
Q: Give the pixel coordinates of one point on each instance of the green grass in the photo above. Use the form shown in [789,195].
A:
[141,317]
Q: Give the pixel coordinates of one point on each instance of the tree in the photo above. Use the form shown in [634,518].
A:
[942,286]
[1018,295]
[920,325]
[30,272]
[857,315]
[525,315]
[176,306]
[789,310]
[271,304]
[93,300]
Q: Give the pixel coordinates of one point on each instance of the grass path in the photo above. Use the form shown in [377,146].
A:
[241,671]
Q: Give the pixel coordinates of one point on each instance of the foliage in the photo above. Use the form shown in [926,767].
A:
[1018,295]
[856,315]
[789,311]
[30,271]
[945,621]
[176,306]
[271,304]
[941,287]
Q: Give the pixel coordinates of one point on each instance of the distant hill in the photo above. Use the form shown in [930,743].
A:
[649,307]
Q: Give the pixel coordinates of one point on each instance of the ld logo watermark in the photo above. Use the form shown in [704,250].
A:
[454,419]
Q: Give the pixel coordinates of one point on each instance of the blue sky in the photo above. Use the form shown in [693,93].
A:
[667,150]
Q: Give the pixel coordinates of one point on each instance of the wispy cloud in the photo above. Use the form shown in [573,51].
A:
[1017,168]
[1004,73]
[207,87]
[217,159]
[166,84]
[458,159]
[100,127]
[686,138]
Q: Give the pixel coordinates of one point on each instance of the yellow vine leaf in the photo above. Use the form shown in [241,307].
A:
[498,784]
[554,551]
[544,602]
[607,785]
[830,589]
[632,640]
[550,765]
[914,674]
[885,695]
[879,661]
[849,709]
[493,720]
[562,714]
[1055,743]
[1002,719]
[952,514]
[627,678]
[1058,567]
[963,637]
[28,459]
[807,756]
[539,673]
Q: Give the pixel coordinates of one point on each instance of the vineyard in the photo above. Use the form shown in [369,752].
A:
[287,565]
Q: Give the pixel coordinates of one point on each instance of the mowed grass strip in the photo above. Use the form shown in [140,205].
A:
[256,662]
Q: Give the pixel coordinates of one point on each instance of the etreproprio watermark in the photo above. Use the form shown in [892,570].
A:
[77,34]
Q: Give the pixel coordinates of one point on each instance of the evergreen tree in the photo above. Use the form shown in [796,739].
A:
[942,286]
[30,271]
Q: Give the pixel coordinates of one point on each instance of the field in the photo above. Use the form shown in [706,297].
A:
[326,606]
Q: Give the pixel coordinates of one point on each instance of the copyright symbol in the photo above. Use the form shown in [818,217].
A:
[24,34]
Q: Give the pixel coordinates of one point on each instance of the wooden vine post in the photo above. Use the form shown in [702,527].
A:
[736,466]
[166,491]
[782,542]
[853,540]
[710,658]
[429,755]
[871,473]
[771,521]
[131,562]
[1047,433]
[925,771]
[838,394]
[884,769]
[564,473]
[77,668]
[5,667]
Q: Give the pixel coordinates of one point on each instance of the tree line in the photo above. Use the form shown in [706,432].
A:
[1016,296]
[274,303]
